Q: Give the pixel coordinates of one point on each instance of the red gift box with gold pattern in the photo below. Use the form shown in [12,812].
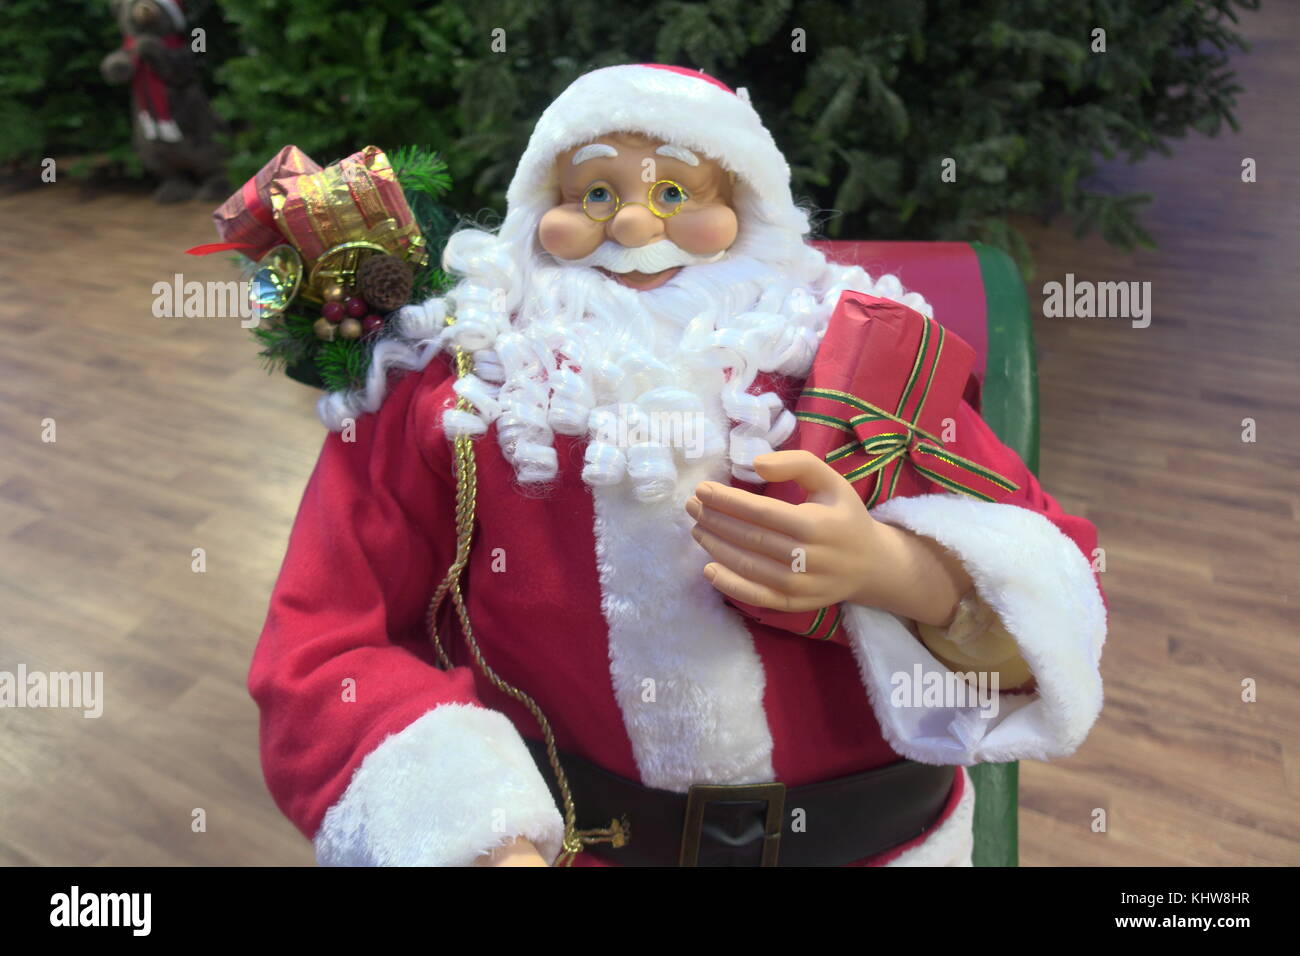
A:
[245,221]
[357,199]
[885,384]
[319,210]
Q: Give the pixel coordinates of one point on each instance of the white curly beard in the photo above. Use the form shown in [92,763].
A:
[649,377]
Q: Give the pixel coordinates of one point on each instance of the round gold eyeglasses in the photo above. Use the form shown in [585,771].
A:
[665,199]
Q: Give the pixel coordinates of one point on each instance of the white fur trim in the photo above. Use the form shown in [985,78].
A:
[681,109]
[148,129]
[453,785]
[1041,586]
[705,722]
[953,842]
[169,132]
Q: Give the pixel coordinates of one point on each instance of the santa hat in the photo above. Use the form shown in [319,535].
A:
[683,107]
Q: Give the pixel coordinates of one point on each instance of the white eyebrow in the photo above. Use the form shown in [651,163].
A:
[592,152]
[679,153]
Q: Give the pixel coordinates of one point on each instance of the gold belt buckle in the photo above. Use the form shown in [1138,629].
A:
[701,795]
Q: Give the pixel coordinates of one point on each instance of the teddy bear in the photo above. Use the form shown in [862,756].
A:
[174,129]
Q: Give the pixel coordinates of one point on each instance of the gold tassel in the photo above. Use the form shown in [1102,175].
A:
[618,832]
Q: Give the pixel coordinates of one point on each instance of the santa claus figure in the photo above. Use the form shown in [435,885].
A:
[623,355]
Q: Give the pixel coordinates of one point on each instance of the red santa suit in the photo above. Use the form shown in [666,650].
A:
[580,594]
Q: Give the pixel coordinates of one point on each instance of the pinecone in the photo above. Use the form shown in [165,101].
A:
[385,282]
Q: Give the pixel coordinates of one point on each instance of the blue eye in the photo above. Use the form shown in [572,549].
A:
[600,202]
[666,198]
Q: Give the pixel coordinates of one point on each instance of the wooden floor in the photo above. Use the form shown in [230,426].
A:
[1142,433]
[170,438]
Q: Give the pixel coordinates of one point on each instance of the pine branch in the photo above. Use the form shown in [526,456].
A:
[343,364]
[420,170]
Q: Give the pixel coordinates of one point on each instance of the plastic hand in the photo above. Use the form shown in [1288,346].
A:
[519,852]
[829,549]
[977,640]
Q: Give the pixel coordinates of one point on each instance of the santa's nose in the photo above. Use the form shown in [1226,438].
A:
[635,225]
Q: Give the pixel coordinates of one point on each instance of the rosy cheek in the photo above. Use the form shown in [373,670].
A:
[704,232]
[567,233]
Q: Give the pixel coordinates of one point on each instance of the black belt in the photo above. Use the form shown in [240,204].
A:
[831,823]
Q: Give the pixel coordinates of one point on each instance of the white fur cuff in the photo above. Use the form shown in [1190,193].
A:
[1042,587]
[453,785]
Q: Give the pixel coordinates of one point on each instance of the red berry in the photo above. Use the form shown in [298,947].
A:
[357,307]
[372,324]
[333,311]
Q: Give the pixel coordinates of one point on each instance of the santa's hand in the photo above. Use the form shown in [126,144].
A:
[829,549]
[518,852]
[773,554]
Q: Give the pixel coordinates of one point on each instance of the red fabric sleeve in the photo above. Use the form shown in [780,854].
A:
[373,536]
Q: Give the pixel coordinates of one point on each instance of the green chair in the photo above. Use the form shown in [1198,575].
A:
[977,292]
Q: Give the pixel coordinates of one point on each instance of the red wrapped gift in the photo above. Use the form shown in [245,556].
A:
[874,407]
[246,221]
[321,212]
[357,199]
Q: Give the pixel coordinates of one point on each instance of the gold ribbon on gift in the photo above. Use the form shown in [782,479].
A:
[884,440]
[356,200]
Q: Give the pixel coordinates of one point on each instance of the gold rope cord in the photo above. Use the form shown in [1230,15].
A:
[466,495]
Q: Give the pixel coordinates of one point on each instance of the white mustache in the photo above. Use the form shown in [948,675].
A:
[656,257]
